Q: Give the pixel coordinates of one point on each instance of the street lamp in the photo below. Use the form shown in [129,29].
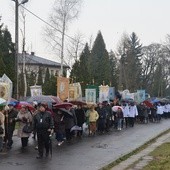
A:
[17,4]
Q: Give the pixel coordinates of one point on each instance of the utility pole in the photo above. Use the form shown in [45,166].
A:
[17,4]
[16,47]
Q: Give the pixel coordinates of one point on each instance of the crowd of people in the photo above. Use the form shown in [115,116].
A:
[72,122]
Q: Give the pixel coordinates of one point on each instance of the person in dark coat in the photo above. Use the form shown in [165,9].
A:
[70,121]
[10,121]
[102,118]
[109,115]
[59,126]
[119,115]
[43,124]
[80,115]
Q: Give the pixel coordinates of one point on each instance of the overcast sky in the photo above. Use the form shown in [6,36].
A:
[149,19]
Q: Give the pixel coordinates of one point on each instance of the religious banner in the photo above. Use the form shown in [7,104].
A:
[5,87]
[130,96]
[111,93]
[140,96]
[75,92]
[103,93]
[125,94]
[90,95]
[63,88]
[36,90]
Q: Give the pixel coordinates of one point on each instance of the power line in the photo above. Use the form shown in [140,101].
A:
[49,24]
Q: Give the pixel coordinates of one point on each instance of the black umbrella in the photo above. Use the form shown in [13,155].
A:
[65,112]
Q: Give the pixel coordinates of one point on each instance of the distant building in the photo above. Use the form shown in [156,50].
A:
[33,63]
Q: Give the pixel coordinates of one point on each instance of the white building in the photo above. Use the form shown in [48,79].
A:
[33,63]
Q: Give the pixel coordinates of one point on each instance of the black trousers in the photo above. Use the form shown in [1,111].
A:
[43,142]
[131,121]
[8,137]
[24,141]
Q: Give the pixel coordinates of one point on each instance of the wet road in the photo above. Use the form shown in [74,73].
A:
[89,153]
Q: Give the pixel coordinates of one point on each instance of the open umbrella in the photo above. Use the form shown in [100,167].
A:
[78,102]
[66,112]
[164,100]
[115,108]
[45,99]
[148,103]
[21,103]
[62,105]
[2,100]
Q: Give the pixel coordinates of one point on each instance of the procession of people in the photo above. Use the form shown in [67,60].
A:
[73,122]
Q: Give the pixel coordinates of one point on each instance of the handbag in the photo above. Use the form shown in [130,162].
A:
[1,130]
[27,128]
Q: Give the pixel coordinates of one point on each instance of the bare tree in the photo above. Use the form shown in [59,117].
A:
[63,12]
[75,47]
[23,19]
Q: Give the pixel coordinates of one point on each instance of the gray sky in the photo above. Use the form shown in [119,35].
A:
[149,19]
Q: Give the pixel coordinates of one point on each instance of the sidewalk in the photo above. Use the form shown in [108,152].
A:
[142,158]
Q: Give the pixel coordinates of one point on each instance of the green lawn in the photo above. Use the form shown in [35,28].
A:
[161,158]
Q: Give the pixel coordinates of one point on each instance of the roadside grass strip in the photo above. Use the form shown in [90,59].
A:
[134,152]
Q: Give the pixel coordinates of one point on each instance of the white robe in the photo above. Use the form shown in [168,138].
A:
[133,111]
[125,111]
[160,110]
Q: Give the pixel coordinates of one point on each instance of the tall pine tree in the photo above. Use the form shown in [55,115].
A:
[99,65]
[132,63]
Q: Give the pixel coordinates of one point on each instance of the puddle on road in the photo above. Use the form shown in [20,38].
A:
[99,145]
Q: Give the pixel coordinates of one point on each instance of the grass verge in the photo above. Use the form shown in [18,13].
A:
[161,158]
[125,157]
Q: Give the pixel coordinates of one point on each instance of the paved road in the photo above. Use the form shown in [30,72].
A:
[90,153]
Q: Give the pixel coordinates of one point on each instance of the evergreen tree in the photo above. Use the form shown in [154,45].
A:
[40,79]
[84,65]
[75,72]
[45,87]
[2,68]
[99,65]
[52,86]
[114,70]
[7,54]
[132,63]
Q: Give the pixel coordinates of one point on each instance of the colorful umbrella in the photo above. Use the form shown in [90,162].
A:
[21,103]
[115,108]
[148,103]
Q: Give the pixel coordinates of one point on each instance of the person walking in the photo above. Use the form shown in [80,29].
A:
[93,117]
[24,117]
[102,118]
[2,119]
[43,124]
[133,112]
[80,115]
[10,121]
[119,115]
[70,121]
[125,108]
[59,126]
